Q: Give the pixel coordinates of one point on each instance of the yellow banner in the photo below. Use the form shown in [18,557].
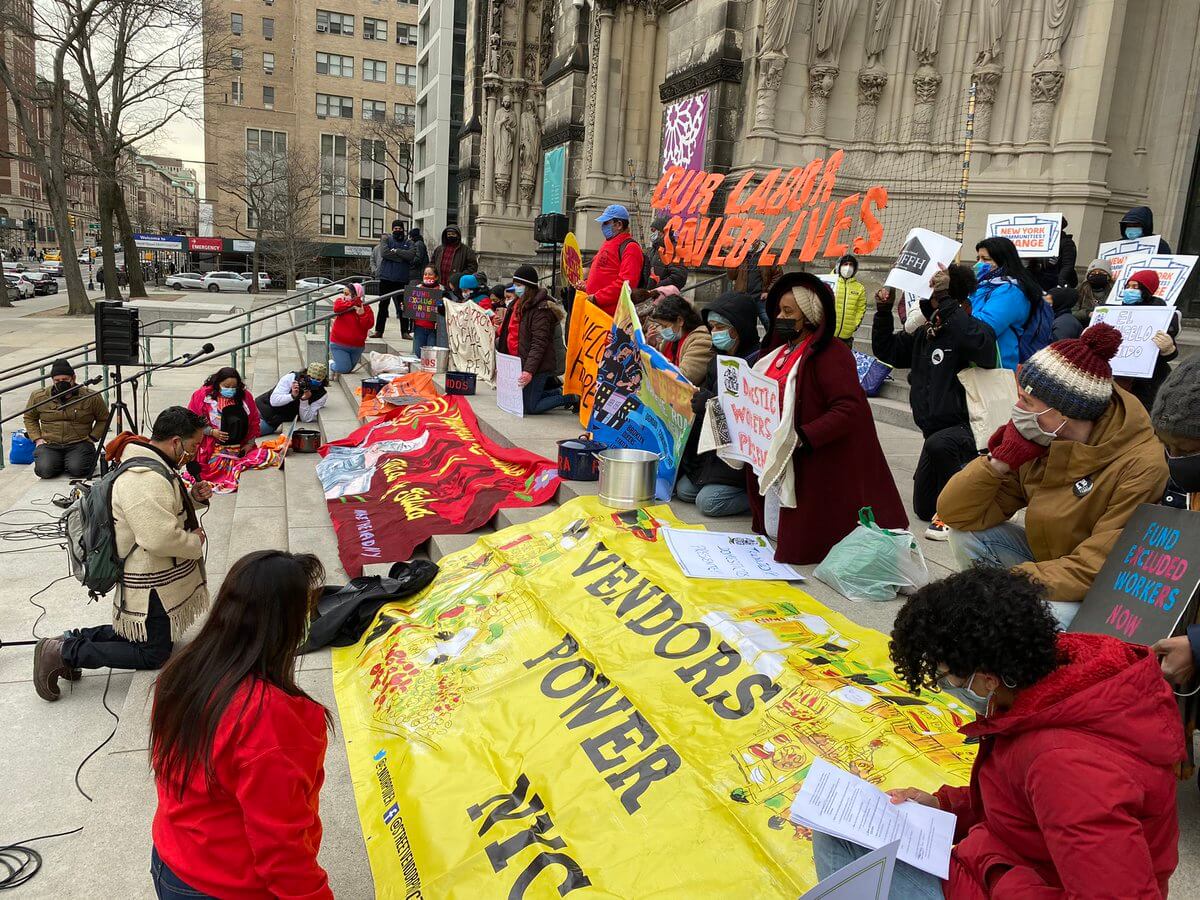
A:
[587,336]
[562,709]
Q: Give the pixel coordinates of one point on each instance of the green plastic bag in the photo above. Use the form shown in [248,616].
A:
[873,563]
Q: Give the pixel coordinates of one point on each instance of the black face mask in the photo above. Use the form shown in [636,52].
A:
[786,329]
[1099,282]
[398,235]
[1185,472]
[452,239]
[60,387]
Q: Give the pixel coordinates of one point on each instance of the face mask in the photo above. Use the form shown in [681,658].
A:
[452,239]
[60,387]
[786,328]
[1028,427]
[606,229]
[983,268]
[1185,471]
[669,334]
[847,272]
[228,393]
[980,704]
[1100,281]
[1131,296]
[181,456]
[1134,231]
[723,340]
[519,290]
[654,236]
[398,235]
[428,280]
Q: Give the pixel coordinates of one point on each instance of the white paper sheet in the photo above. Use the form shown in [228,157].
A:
[508,393]
[919,257]
[726,555]
[867,878]
[835,802]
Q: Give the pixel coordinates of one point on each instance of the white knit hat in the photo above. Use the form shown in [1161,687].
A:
[809,304]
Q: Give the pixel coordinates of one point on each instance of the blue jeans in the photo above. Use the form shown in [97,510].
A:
[1003,545]
[713,500]
[423,337]
[539,398]
[908,882]
[345,358]
[168,885]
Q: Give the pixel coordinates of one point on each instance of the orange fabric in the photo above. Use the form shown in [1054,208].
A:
[412,388]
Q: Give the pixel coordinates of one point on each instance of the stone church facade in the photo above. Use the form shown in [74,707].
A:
[1085,107]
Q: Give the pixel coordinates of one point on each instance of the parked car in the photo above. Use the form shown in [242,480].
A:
[312,283]
[186,281]
[40,281]
[226,281]
[264,281]
[22,289]
[14,268]
[53,267]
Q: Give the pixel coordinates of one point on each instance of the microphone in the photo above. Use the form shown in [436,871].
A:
[207,348]
[193,469]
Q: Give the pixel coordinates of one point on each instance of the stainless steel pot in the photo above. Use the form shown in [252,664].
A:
[627,477]
[435,359]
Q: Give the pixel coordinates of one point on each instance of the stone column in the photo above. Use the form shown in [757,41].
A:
[871,83]
[926,82]
[650,35]
[603,64]
[487,200]
[1045,88]
[625,91]
[770,78]
[987,79]
[821,79]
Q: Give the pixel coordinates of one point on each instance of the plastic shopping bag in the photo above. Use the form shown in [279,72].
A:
[873,563]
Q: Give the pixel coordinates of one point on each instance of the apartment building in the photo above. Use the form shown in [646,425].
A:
[441,59]
[160,201]
[329,86]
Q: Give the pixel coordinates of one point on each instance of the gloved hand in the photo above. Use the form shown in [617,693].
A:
[700,400]
[1010,447]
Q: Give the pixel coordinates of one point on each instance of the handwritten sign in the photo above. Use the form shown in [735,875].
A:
[421,303]
[472,338]
[1147,584]
[1033,234]
[919,258]
[509,396]
[1137,354]
[1172,272]
[727,556]
[750,406]
[587,336]
[1118,253]
[572,262]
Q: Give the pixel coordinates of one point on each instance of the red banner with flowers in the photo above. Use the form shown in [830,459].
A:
[422,470]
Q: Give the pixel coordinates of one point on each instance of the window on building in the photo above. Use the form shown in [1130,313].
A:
[235,23]
[268,28]
[406,75]
[335,64]
[268,97]
[235,58]
[406,34]
[375,110]
[269,63]
[405,113]
[237,92]
[337,107]
[375,29]
[333,185]
[261,140]
[408,2]
[372,174]
[375,70]
[334,22]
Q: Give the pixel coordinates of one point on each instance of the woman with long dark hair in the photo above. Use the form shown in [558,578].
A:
[685,339]
[238,748]
[1005,296]
[229,447]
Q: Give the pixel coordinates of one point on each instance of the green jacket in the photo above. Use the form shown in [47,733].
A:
[850,301]
[82,420]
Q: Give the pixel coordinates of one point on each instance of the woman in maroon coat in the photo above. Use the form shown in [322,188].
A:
[825,462]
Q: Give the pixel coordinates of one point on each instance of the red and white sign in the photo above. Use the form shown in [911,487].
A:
[205,244]
[1172,271]
[1033,234]
[750,404]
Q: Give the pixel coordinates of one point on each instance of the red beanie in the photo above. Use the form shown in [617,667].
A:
[1147,279]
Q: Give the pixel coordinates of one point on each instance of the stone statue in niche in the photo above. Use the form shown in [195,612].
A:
[778,18]
[831,18]
[879,25]
[991,32]
[927,24]
[531,145]
[1056,26]
[493,57]
[503,133]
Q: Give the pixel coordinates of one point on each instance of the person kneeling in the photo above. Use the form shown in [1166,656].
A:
[65,420]
[528,331]
[1073,789]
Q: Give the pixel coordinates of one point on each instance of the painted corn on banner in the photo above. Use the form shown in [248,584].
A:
[563,712]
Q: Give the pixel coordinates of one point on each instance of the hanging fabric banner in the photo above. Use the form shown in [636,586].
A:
[587,336]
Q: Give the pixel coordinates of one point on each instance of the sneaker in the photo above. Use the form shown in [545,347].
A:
[937,530]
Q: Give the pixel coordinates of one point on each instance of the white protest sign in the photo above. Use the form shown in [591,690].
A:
[1138,324]
[919,258]
[750,403]
[1033,234]
[1118,253]
[509,396]
[868,877]
[472,339]
[726,556]
[1172,272]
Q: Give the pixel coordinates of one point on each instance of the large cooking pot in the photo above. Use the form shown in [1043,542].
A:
[305,440]
[627,477]
[435,359]
[577,459]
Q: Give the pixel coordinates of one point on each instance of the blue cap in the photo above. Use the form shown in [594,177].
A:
[615,211]
[468,283]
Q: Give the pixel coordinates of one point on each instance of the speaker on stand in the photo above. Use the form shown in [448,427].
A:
[117,344]
[552,228]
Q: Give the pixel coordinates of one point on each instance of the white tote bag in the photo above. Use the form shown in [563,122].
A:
[991,394]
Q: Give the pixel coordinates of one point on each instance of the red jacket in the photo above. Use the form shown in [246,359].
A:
[350,329]
[611,267]
[1073,792]
[254,833]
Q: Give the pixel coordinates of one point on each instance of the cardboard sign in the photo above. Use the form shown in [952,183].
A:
[421,303]
[750,407]
[1138,324]
[1172,271]
[509,396]
[1033,234]
[1149,580]
[587,336]
[471,335]
[1118,253]
[572,262]
[919,258]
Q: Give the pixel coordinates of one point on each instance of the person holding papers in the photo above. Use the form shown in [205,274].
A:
[1139,290]
[1073,790]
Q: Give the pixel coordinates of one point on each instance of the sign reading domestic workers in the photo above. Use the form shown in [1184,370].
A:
[564,713]
[749,411]
[1149,580]
[1033,234]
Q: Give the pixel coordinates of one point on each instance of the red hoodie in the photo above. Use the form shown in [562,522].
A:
[349,328]
[618,260]
[254,833]
[1073,791]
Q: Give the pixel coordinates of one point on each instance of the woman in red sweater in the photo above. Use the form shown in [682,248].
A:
[238,749]
[348,335]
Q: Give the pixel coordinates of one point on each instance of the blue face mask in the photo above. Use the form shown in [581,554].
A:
[723,340]
[1131,296]
[607,230]
[983,269]
[669,334]
[228,393]
[519,290]
[1134,231]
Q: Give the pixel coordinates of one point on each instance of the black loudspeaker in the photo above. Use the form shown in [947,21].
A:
[116,333]
[550,228]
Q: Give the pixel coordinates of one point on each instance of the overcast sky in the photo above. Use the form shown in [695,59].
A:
[182,138]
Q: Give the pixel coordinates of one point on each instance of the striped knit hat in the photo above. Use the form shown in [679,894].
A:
[1074,376]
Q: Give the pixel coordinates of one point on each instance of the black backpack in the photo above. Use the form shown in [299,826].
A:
[1038,331]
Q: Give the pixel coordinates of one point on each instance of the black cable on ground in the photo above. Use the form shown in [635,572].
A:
[101,745]
[20,862]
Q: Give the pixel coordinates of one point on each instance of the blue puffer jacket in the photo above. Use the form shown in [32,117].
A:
[1000,303]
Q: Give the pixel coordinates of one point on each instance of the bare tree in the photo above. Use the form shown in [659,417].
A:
[389,142]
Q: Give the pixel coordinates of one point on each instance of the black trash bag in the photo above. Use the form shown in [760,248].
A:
[345,612]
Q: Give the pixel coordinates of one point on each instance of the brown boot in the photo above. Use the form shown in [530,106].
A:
[47,667]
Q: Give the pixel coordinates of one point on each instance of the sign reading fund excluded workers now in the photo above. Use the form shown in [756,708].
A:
[813,222]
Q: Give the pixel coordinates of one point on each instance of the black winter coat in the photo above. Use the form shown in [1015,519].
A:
[540,317]
[1146,389]
[937,397]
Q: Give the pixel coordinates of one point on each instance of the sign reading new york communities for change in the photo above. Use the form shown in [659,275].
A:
[1033,234]
[1149,580]
[1172,271]
[554,171]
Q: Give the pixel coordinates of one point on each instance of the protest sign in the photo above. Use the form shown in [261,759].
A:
[750,406]
[1148,582]
[587,336]
[509,396]
[713,554]
[421,303]
[1033,234]
[1138,324]
[422,470]
[471,334]
[1118,253]
[1172,271]
[642,400]
[562,701]
[572,262]
[919,258]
